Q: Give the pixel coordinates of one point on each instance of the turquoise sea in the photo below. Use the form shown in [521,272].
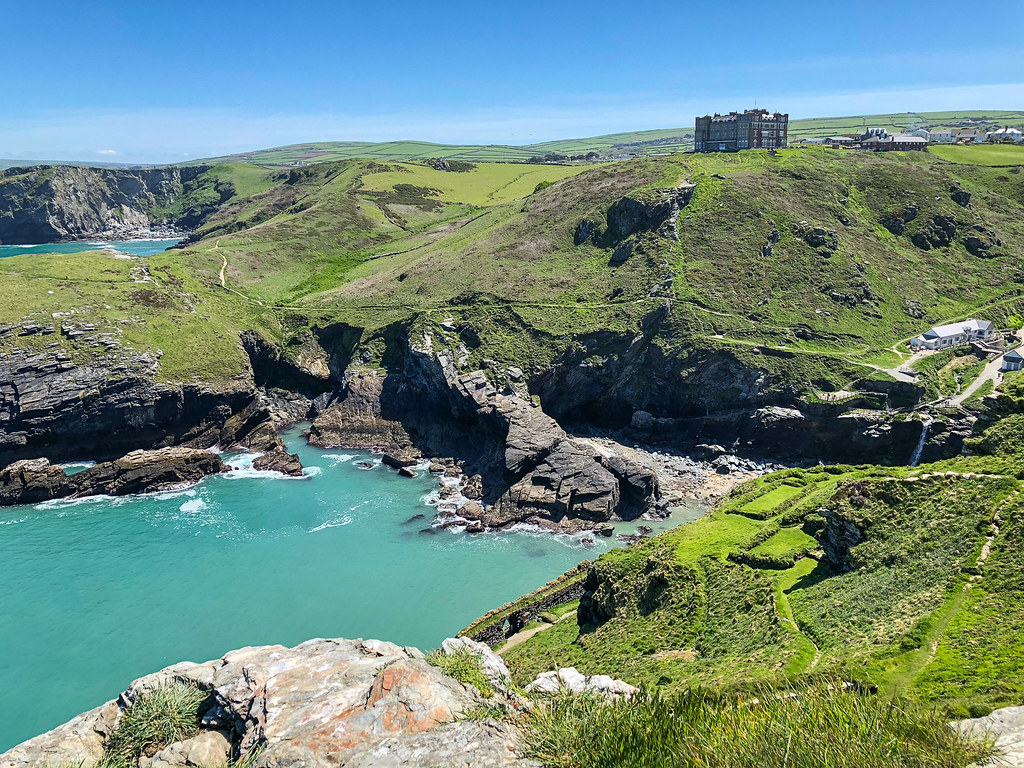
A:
[134,247]
[96,592]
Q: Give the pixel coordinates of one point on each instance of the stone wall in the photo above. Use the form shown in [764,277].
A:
[512,619]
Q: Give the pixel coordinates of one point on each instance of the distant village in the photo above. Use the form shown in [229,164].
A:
[758,129]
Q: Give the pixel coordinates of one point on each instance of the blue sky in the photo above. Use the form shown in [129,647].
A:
[156,81]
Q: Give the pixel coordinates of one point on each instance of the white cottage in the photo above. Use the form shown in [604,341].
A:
[954,334]
[1006,133]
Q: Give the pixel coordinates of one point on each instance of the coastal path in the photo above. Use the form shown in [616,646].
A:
[523,635]
[991,373]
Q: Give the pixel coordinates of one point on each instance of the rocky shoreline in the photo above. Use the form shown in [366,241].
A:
[509,463]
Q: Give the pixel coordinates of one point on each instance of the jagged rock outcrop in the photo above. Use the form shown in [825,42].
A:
[837,537]
[33,481]
[939,233]
[897,223]
[982,243]
[324,703]
[47,204]
[571,680]
[55,406]
[826,241]
[355,419]
[279,461]
[530,470]
[634,215]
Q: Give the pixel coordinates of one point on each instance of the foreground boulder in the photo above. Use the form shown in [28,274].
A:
[571,680]
[1006,728]
[323,703]
[34,481]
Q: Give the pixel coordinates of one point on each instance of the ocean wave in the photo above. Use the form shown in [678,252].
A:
[68,503]
[345,520]
[309,472]
[77,465]
[168,495]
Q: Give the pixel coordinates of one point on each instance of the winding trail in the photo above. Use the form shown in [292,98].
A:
[523,635]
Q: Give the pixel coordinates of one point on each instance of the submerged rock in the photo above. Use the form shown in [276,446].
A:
[321,704]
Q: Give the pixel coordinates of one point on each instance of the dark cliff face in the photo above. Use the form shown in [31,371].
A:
[47,204]
[54,407]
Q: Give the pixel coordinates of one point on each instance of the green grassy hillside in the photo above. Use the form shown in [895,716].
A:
[907,579]
[492,246]
[361,242]
[633,143]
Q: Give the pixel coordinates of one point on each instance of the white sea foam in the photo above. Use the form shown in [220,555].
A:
[193,506]
[345,520]
[70,503]
[168,495]
[336,459]
[242,469]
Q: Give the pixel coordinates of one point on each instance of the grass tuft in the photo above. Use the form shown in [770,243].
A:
[821,727]
[157,718]
[464,666]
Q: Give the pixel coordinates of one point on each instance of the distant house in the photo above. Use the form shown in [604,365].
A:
[941,136]
[840,141]
[899,142]
[954,334]
[1012,361]
[1003,134]
[923,133]
[969,136]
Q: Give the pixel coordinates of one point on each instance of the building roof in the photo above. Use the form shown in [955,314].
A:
[971,325]
[903,138]
[1014,356]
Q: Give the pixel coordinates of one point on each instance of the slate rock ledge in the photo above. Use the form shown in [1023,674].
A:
[323,703]
[31,481]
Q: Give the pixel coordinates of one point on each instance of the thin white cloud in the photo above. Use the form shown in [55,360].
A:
[106,151]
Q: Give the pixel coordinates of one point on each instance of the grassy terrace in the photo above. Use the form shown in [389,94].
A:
[750,596]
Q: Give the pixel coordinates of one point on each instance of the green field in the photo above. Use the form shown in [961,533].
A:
[484,185]
[995,155]
[610,146]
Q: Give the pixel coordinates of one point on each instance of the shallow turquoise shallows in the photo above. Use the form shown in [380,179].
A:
[134,247]
[97,592]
